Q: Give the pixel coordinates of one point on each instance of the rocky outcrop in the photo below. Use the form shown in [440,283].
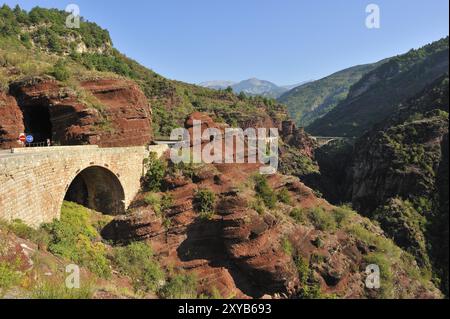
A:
[105,112]
[11,121]
[298,138]
[244,251]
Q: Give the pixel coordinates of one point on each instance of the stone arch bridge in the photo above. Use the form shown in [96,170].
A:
[34,182]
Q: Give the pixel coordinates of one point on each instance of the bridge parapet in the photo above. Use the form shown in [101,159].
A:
[34,182]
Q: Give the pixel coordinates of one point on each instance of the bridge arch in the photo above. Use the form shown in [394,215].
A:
[98,188]
[35,181]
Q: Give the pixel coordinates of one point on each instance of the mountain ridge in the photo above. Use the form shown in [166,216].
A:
[252,87]
[379,92]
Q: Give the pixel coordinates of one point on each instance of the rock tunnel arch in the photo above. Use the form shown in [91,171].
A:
[97,188]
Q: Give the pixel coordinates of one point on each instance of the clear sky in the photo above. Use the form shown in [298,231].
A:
[283,41]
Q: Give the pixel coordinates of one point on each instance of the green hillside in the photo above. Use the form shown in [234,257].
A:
[38,43]
[379,92]
[313,100]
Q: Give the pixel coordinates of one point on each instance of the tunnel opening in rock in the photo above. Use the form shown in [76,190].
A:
[99,189]
[36,119]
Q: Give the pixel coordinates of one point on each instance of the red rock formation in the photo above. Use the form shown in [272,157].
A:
[11,122]
[298,138]
[105,112]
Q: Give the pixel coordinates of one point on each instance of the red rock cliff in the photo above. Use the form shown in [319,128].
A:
[105,112]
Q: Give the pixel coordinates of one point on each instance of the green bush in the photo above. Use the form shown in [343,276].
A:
[342,215]
[60,71]
[73,236]
[258,206]
[204,201]
[160,205]
[182,286]
[264,191]
[154,201]
[284,196]
[166,201]
[156,170]
[321,219]
[309,288]
[287,246]
[9,277]
[136,261]
[298,215]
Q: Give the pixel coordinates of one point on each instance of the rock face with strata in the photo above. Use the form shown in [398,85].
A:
[298,138]
[239,252]
[11,121]
[104,112]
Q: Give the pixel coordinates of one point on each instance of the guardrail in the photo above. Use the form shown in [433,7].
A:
[40,144]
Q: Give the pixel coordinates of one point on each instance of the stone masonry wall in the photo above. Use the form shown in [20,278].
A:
[33,182]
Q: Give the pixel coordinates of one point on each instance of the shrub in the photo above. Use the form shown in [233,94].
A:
[60,71]
[309,287]
[284,196]
[322,219]
[156,170]
[136,261]
[154,200]
[318,242]
[287,246]
[55,290]
[182,286]
[386,277]
[264,191]
[204,201]
[298,215]
[341,215]
[9,277]
[20,229]
[72,238]
[302,269]
[166,201]
[258,206]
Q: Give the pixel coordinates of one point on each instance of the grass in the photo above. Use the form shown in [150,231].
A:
[298,215]
[264,191]
[57,290]
[137,262]
[180,286]
[9,277]
[284,196]
[160,205]
[75,238]
[321,219]
[287,246]
[20,229]
[309,287]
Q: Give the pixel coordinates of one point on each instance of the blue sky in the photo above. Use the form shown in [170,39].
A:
[284,41]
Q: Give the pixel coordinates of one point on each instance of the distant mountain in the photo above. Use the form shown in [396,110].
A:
[379,92]
[217,85]
[258,87]
[252,87]
[314,99]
